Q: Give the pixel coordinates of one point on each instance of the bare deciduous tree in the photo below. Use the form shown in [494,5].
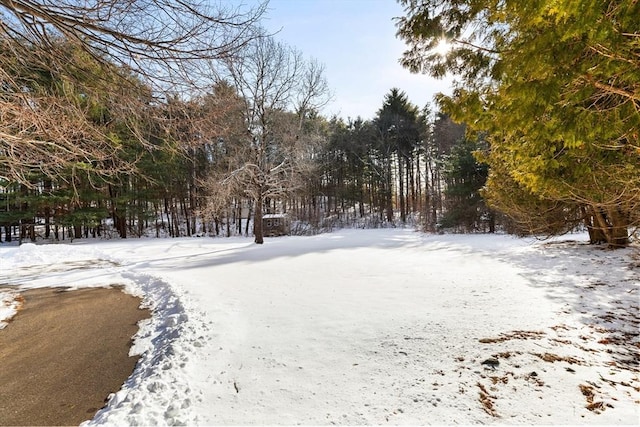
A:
[272,79]
[54,121]
[314,90]
[61,61]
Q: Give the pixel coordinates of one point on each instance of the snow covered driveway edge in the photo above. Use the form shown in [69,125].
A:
[157,393]
[10,302]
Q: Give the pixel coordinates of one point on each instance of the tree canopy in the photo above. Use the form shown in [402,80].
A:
[555,87]
[163,40]
[70,70]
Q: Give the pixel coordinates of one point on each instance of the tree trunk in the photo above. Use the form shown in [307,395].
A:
[401,173]
[186,214]
[619,228]
[596,234]
[121,224]
[238,214]
[257,222]
[47,211]
[119,221]
[492,222]
[175,219]
[246,226]
[413,197]
[613,224]
[389,192]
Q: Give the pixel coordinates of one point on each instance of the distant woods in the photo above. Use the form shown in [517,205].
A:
[214,164]
[402,167]
[116,123]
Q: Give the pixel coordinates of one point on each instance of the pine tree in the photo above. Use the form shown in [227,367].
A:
[465,209]
[399,127]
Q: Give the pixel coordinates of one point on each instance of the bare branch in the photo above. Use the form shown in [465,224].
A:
[157,39]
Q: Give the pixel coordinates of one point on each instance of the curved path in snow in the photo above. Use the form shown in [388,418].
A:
[64,353]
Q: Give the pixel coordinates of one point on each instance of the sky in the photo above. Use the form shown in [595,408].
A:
[356,42]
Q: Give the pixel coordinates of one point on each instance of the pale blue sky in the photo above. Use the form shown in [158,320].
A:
[355,40]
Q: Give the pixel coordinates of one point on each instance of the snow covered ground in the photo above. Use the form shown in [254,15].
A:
[363,327]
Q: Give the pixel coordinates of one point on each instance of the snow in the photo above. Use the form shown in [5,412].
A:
[9,305]
[363,327]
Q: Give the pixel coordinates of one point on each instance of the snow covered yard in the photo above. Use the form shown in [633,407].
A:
[364,327]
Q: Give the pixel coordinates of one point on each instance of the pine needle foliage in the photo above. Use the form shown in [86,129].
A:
[555,86]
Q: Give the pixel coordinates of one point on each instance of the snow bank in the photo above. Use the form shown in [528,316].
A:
[10,303]
[158,393]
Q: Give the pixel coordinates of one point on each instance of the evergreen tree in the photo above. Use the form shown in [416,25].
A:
[400,135]
[465,209]
[554,86]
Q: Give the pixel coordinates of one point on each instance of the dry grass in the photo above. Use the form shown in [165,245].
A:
[487,401]
[515,335]
[549,357]
[594,406]
[501,380]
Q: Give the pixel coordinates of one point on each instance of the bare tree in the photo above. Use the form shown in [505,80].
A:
[61,60]
[313,92]
[54,120]
[271,78]
[154,38]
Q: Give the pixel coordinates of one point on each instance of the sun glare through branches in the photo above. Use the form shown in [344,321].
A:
[443,47]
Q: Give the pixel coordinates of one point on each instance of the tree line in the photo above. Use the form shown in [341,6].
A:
[113,125]
[253,143]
